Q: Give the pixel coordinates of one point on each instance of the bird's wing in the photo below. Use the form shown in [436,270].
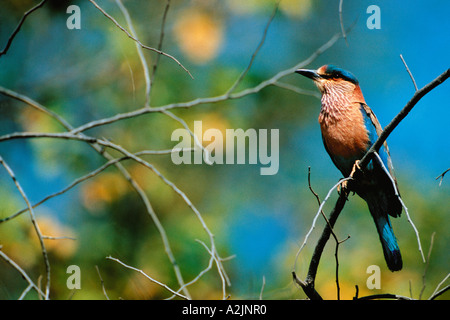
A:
[374,128]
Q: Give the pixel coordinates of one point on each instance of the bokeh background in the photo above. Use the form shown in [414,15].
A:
[259,221]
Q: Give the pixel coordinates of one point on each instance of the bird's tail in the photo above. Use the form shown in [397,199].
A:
[388,241]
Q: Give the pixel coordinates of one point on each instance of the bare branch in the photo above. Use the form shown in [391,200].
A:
[200,101]
[16,31]
[419,94]
[139,51]
[341,21]
[22,272]
[319,211]
[383,296]
[33,221]
[148,277]
[409,72]
[142,162]
[296,89]
[437,292]
[93,174]
[161,39]
[35,105]
[118,165]
[102,283]
[426,266]
[137,40]
[255,53]
[58,238]
[403,204]
[442,176]
[262,287]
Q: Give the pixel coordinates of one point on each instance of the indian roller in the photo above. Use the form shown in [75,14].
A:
[349,128]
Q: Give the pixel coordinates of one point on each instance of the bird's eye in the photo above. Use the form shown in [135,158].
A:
[333,75]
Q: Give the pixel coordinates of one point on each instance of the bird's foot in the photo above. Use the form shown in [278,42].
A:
[343,187]
[356,169]
[346,185]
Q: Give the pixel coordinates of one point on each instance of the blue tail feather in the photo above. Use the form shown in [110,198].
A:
[388,241]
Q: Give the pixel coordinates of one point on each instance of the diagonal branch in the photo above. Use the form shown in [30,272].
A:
[419,94]
[22,272]
[118,165]
[16,31]
[200,101]
[137,40]
[91,175]
[442,176]
[148,277]
[409,72]
[255,53]
[308,284]
[108,144]
[35,225]
[394,185]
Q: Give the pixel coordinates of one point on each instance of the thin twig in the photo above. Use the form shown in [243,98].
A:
[200,101]
[394,185]
[24,275]
[296,89]
[204,271]
[161,39]
[332,232]
[409,72]
[255,53]
[419,94]
[35,105]
[137,40]
[91,175]
[16,31]
[384,296]
[34,222]
[426,266]
[148,277]
[58,238]
[442,176]
[102,283]
[206,154]
[262,288]
[125,152]
[118,165]
[336,258]
[168,113]
[341,21]
[148,81]
[319,211]
[24,292]
[139,50]
[438,292]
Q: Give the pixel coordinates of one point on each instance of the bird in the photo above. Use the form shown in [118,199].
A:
[349,128]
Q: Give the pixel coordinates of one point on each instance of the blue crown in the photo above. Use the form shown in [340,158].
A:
[338,73]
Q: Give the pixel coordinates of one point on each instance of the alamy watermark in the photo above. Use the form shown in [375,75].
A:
[374,280]
[74,280]
[74,20]
[231,150]
[374,20]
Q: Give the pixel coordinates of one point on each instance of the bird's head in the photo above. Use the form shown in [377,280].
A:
[330,79]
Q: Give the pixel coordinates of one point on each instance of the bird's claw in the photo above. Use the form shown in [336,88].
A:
[345,186]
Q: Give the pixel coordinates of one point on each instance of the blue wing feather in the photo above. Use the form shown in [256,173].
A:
[374,129]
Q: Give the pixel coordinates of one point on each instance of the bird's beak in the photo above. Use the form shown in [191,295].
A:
[312,74]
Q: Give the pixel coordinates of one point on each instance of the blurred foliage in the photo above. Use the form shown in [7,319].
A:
[258,221]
